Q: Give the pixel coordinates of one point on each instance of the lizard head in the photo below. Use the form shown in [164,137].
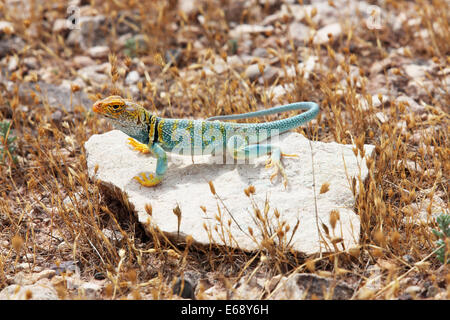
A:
[115,107]
[124,114]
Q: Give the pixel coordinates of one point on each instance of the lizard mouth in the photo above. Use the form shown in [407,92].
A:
[97,107]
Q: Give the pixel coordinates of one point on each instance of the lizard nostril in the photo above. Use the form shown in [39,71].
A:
[97,106]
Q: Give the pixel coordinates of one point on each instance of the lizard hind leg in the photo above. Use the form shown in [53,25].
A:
[275,161]
[256,150]
[143,148]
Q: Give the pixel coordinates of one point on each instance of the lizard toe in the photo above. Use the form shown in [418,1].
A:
[150,181]
[143,148]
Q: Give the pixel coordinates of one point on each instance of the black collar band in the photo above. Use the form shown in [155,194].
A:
[155,134]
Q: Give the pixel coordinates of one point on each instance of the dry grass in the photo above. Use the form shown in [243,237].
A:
[51,212]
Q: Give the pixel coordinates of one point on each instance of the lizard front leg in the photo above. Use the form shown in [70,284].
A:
[152,179]
[141,147]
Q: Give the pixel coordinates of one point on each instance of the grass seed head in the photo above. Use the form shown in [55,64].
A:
[148,209]
[28,294]
[334,217]
[17,243]
[211,187]
[310,265]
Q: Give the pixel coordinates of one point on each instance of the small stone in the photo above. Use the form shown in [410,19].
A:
[71,201]
[420,210]
[272,283]
[303,285]
[243,29]
[132,77]
[83,61]
[99,276]
[253,72]
[376,100]
[321,36]
[280,91]
[6,27]
[22,278]
[184,289]
[66,267]
[260,52]
[56,116]
[234,61]
[408,258]
[216,293]
[247,289]
[220,66]
[94,74]
[10,45]
[13,63]
[69,84]
[64,247]
[91,290]
[413,290]
[364,103]
[410,103]
[415,71]
[270,74]
[308,66]
[172,56]
[381,117]
[30,62]
[112,235]
[134,91]
[299,32]
[29,292]
[60,25]
[432,291]
[99,52]
[442,296]
[126,21]
[189,7]
[405,296]
[45,274]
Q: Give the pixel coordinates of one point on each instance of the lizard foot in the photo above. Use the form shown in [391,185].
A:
[278,169]
[149,181]
[138,146]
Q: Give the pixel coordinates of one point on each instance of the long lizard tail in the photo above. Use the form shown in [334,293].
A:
[281,125]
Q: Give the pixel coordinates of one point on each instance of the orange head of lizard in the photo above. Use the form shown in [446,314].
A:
[124,114]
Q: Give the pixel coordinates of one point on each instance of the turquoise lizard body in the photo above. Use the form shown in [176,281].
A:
[151,134]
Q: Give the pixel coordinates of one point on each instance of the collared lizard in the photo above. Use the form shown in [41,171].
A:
[151,134]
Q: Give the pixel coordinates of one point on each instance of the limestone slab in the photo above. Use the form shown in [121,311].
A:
[186,185]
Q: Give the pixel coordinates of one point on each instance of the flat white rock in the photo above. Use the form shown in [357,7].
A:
[186,185]
[29,292]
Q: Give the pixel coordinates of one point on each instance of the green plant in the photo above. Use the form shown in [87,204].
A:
[130,48]
[443,222]
[7,143]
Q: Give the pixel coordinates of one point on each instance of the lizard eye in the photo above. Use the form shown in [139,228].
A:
[116,107]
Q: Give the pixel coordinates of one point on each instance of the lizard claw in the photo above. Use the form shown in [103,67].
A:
[143,148]
[269,163]
[149,181]
[278,169]
[293,155]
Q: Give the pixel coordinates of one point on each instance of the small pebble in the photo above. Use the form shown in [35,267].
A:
[132,77]
[188,289]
